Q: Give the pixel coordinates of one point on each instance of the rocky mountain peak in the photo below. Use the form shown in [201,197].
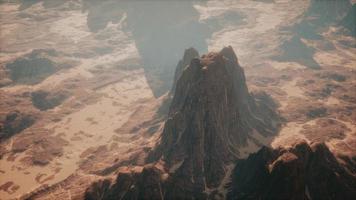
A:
[189,54]
[229,53]
[211,116]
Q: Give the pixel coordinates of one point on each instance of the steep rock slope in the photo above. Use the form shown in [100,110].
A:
[210,118]
[189,54]
[145,184]
[300,172]
[212,115]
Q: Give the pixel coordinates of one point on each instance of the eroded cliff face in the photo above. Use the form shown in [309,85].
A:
[145,183]
[210,118]
[299,172]
[212,115]
[189,54]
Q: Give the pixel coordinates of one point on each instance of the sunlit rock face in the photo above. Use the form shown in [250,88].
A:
[300,172]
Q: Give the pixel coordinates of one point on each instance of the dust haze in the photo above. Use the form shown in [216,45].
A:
[91,90]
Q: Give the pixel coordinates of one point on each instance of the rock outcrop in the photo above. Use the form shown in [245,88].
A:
[300,172]
[211,116]
[145,184]
[189,54]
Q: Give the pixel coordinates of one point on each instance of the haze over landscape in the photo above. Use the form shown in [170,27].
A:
[168,99]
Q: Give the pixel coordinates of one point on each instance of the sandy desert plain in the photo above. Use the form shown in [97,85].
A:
[96,109]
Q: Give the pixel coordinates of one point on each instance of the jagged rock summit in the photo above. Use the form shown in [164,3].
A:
[189,54]
[212,117]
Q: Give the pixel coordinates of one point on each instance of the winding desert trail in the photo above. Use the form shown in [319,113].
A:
[108,87]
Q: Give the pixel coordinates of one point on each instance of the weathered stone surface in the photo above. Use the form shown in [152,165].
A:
[211,116]
[146,184]
[301,172]
[189,54]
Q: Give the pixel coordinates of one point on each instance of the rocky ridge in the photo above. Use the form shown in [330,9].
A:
[300,172]
[211,116]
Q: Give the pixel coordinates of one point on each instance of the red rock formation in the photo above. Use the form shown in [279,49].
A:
[211,116]
[146,184]
[301,172]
